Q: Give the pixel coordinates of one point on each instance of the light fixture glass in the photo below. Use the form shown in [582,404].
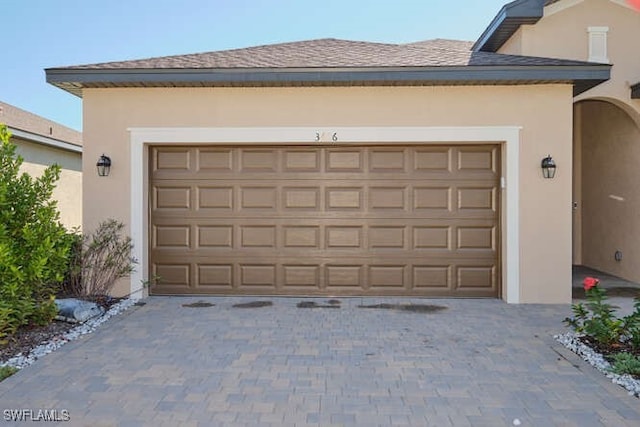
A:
[548,167]
[104,165]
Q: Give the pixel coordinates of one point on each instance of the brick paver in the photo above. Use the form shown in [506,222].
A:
[477,363]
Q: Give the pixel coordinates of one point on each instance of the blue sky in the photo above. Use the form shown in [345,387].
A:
[39,34]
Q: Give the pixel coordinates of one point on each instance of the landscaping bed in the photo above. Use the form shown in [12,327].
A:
[608,342]
[31,343]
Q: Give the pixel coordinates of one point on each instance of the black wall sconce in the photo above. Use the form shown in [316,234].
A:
[104,165]
[548,167]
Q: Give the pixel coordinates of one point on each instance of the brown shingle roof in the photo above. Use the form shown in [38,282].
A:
[332,53]
[332,62]
[23,120]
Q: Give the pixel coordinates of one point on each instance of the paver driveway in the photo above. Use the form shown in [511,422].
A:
[479,362]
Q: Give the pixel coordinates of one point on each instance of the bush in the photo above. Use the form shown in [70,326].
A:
[7,371]
[597,320]
[100,259]
[625,363]
[33,243]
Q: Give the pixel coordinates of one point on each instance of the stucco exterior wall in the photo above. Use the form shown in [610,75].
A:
[68,192]
[605,136]
[610,206]
[545,118]
[563,33]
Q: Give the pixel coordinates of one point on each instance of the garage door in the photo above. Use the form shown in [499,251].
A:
[365,220]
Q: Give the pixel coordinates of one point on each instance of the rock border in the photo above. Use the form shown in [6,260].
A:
[21,361]
[571,341]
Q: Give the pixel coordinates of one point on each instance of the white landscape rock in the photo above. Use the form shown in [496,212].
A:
[20,361]
[572,342]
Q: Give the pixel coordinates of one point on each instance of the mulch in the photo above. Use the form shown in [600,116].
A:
[30,336]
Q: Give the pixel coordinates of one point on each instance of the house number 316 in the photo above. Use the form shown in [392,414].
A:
[323,137]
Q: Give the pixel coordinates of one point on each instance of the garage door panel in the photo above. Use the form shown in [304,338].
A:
[171,236]
[173,159]
[344,237]
[327,236]
[432,159]
[304,278]
[214,160]
[301,198]
[336,276]
[215,236]
[176,198]
[258,160]
[303,236]
[344,276]
[477,199]
[219,197]
[478,160]
[388,160]
[174,274]
[253,197]
[435,199]
[432,237]
[475,276]
[216,277]
[387,277]
[380,220]
[260,275]
[341,160]
[476,238]
[344,198]
[432,278]
[388,198]
[302,160]
[387,237]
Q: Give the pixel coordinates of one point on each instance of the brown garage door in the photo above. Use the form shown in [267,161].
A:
[366,220]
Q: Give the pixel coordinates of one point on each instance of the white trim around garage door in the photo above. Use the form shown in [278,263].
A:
[507,136]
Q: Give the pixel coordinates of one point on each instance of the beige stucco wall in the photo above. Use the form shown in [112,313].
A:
[68,192]
[610,201]
[545,273]
[564,34]
[601,225]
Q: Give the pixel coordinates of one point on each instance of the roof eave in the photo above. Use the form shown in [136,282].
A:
[74,80]
[635,91]
[44,140]
[507,22]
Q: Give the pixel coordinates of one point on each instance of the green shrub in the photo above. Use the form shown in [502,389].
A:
[34,245]
[597,320]
[7,371]
[625,363]
[99,259]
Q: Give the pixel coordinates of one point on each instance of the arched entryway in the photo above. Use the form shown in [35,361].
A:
[606,189]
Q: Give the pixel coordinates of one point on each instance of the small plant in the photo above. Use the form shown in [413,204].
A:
[152,281]
[102,258]
[597,320]
[7,371]
[625,363]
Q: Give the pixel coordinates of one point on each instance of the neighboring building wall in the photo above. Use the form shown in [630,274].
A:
[68,190]
[610,199]
[545,216]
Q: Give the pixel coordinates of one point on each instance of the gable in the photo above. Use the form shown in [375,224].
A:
[518,13]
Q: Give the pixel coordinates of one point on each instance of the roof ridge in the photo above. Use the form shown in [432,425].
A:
[27,121]
[239,49]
